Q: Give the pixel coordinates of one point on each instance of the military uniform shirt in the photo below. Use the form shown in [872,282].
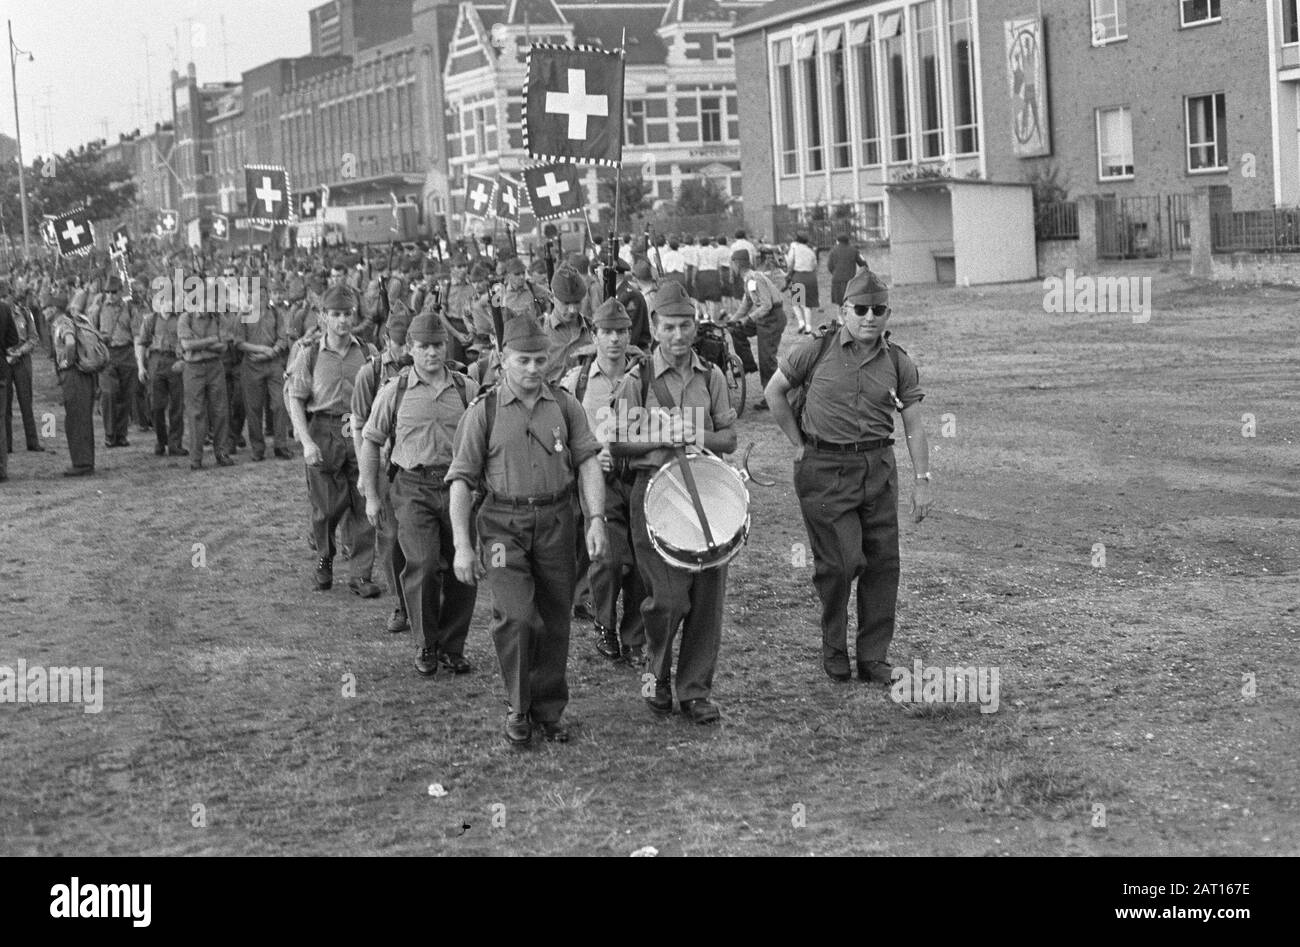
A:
[199,325]
[327,388]
[848,398]
[272,328]
[516,302]
[696,390]
[598,399]
[118,322]
[426,420]
[158,333]
[365,386]
[564,339]
[522,460]
[761,296]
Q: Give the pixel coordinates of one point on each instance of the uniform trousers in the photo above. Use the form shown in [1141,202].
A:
[79,415]
[118,379]
[168,397]
[438,605]
[528,554]
[770,329]
[850,509]
[235,403]
[389,559]
[677,599]
[19,388]
[205,398]
[332,490]
[619,573]
[263,384]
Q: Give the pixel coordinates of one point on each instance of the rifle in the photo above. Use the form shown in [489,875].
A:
[549,256]
[611,270]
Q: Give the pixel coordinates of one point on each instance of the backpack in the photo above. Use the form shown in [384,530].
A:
[711,344]
[92,353]
[403,377]
[826,335]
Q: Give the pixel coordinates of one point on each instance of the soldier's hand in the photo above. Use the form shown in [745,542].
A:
[143,375]
[467,566]
[372,511]
[596,540]
[798,452]
[921,500]
[311,454]
[606,459]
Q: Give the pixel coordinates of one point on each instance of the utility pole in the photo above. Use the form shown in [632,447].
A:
[18,134]
[148,79]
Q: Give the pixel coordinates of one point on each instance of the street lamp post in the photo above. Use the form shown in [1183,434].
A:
[18,134]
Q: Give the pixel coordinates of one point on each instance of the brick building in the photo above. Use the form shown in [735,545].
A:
[193,158]
[1150,98]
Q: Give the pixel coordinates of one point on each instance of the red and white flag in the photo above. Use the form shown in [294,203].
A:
[573,104]
[554,190]
[480,195]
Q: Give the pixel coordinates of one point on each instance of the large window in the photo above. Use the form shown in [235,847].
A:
[966,137]
[1196,12]
[634,111]
[924,41]
[1109,21]
[892,51]
[1290,21]
[810,80]
[841,146]
[1114,144]
[710,118]
[785,109]
[1207,132]
[866,74]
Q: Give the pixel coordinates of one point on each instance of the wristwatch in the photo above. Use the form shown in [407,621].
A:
[925,476]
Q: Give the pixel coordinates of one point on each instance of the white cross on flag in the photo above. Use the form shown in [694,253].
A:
[573,105]
[480,195]
[167,221]
[267,194]
[220,227]
[554,190]
[508,200]
[121,240]
[48,236]
[74,233]
[308,205]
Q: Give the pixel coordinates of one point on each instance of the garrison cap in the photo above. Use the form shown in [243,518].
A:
[427,329]
[866,289]
[568,286]
[672,300]
[612,315]
[523,334]
[397,328]
[641,270]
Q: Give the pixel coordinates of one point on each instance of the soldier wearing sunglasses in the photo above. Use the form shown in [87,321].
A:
[853,379]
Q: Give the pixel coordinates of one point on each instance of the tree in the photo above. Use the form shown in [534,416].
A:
[77,177]
[701,196]
[634,197]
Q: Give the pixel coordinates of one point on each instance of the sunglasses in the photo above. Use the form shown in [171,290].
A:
[860,310]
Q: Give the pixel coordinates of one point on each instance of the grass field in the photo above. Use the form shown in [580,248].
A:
[1121,685]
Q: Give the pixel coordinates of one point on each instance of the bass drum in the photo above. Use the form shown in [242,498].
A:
[673,524]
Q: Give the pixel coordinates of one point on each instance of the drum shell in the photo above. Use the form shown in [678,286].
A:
[674,526]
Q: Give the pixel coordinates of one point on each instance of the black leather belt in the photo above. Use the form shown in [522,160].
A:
[858,447]
[426,473]
[124,345]
[328,414]
[548,499]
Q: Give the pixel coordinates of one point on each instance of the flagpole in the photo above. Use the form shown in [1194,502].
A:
[611,275]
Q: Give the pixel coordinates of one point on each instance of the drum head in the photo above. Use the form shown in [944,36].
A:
[674,525]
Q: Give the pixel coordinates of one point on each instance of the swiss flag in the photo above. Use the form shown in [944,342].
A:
[266,191]
[554,190]
[509,199]
[74,233]
[168,221]
[479,195]
[573,105]
[220,227]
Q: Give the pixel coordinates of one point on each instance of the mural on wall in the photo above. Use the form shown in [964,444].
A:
[1031,130]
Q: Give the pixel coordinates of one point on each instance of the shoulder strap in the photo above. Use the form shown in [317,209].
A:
[459,380]
[894,350]
[490,414]
[584,376]
[397,406]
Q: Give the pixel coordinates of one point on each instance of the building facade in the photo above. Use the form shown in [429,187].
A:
[193,156]
[228,149]
[680,101]
[1110,97]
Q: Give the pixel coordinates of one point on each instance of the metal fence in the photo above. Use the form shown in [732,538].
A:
[689,226]
[1150,226]
[861,223]
[1258,231]
[1057,220]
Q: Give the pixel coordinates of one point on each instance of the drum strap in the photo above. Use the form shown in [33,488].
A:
[665,399]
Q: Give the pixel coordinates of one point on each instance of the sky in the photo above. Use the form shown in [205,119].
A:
[91,72]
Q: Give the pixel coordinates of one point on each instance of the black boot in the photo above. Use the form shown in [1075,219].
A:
[608,644]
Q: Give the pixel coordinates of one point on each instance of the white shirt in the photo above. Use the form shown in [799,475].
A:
[801,258]
[743,244]
[691,255]
[672,260]
[625,254]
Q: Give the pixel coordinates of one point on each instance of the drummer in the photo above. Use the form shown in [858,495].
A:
[675,598]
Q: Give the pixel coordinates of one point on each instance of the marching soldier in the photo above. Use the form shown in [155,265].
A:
[675,598]
[78,387]
[456,315]
[596,384]
[232,357]
[565,327]
[374,376]
[157,354]
[118,323]
[525,444]
[518,298]
[763,305]
[19,361]
[203,341]
[264,343]
[320,384]
[844,471]
[417,415]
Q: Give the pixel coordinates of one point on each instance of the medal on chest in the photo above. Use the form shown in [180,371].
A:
[559,440]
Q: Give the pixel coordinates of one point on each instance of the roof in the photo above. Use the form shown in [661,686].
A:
[535,12]
[607,25]
[695,11]
[779,12]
